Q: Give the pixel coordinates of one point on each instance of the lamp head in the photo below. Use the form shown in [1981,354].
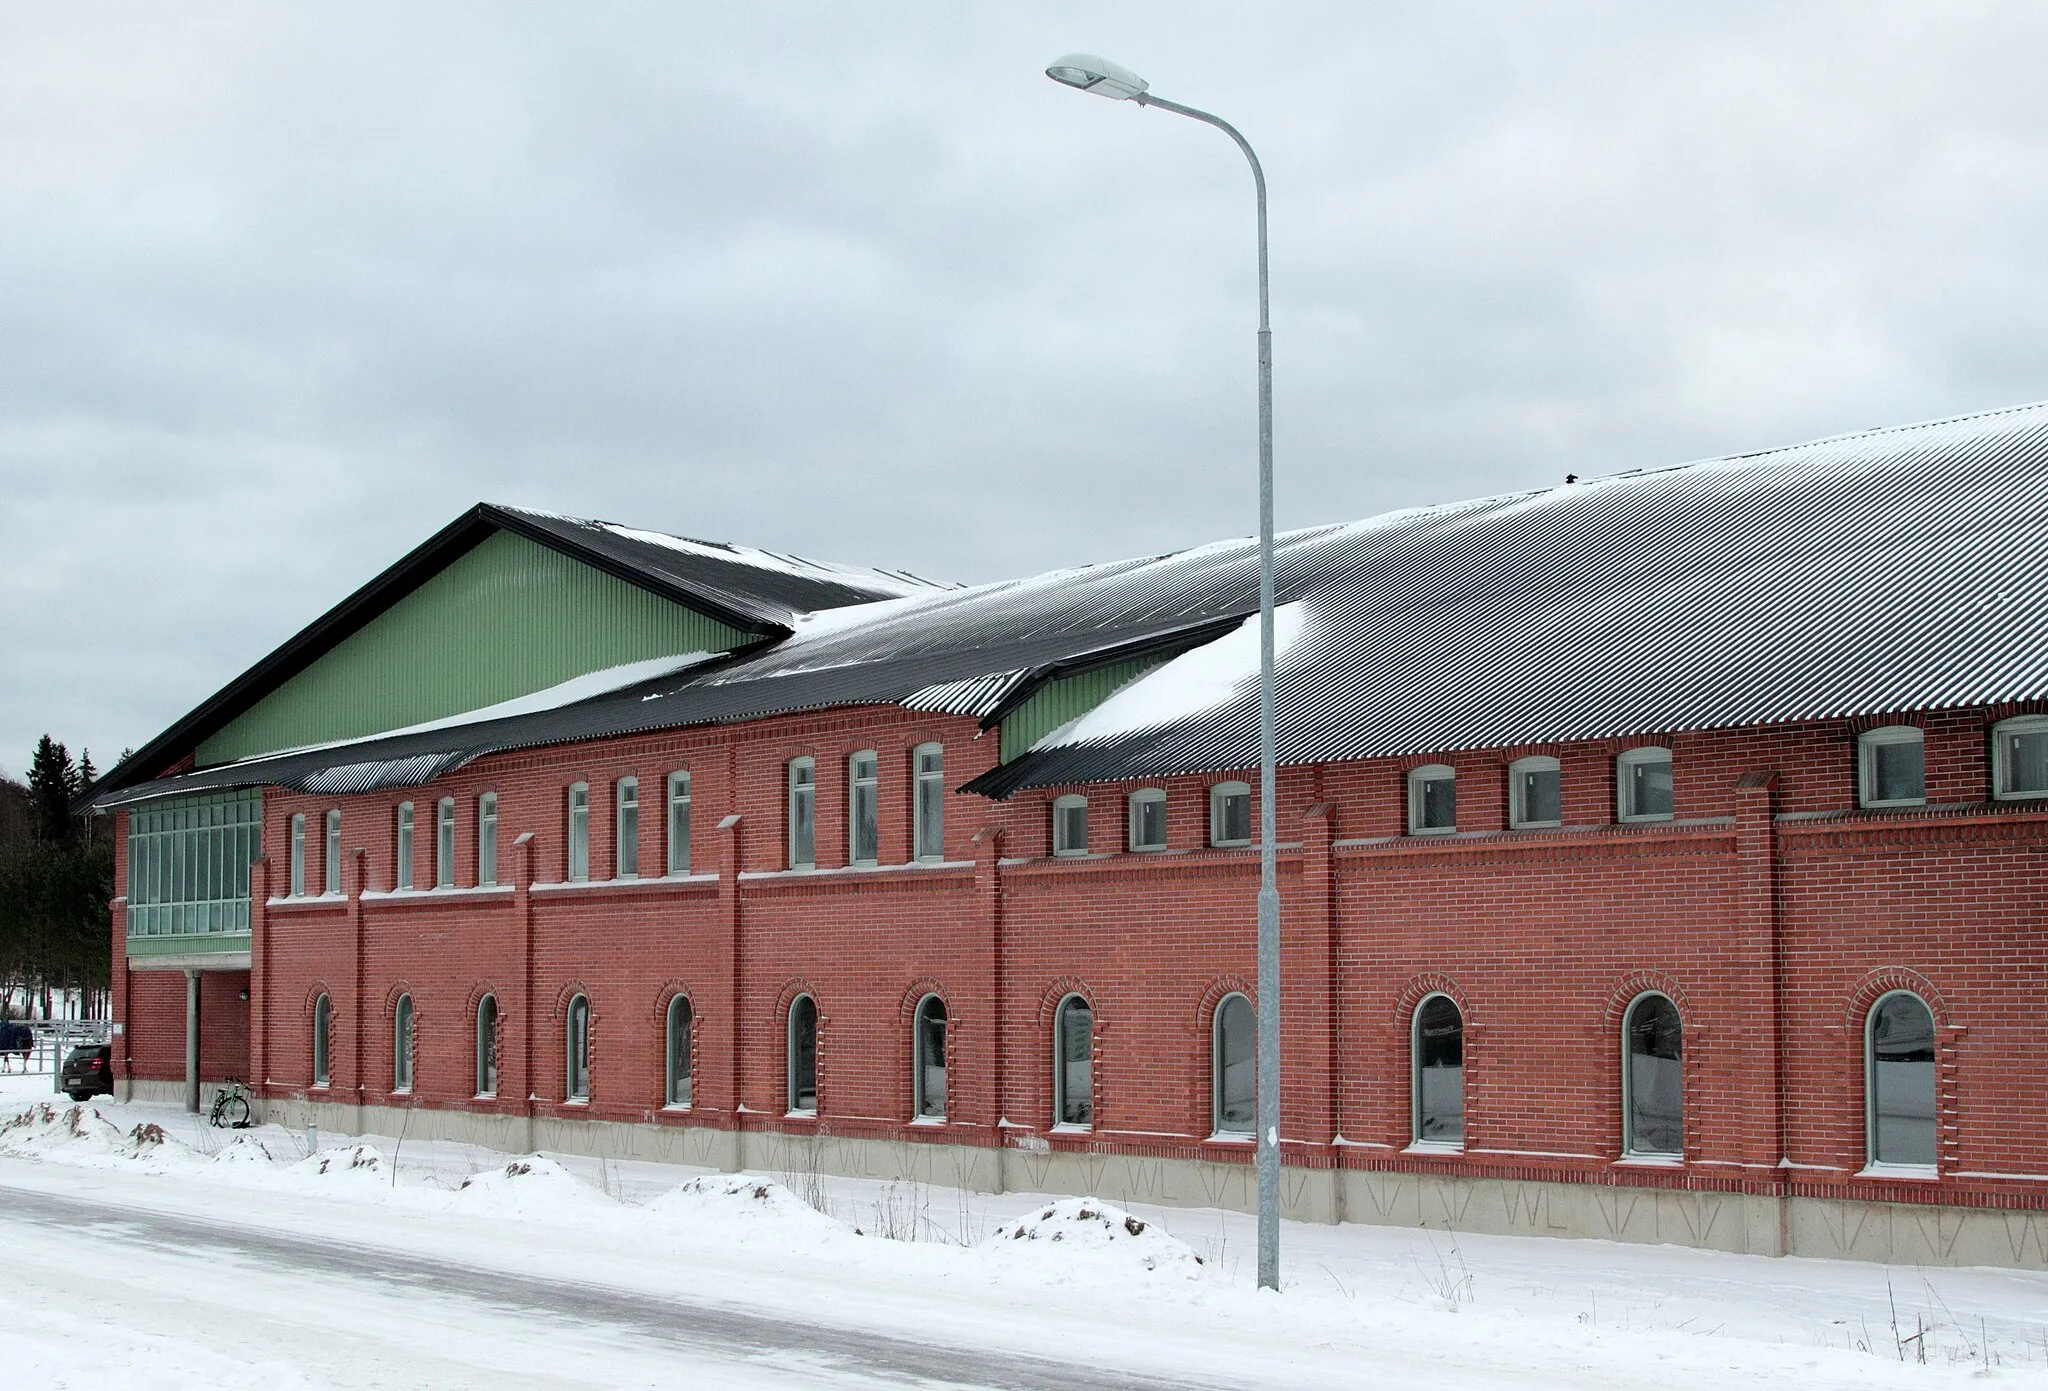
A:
[1088,73]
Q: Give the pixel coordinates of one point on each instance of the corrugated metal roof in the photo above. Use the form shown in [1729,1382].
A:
[1891,570]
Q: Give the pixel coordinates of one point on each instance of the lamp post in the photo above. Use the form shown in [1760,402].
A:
[1088,73]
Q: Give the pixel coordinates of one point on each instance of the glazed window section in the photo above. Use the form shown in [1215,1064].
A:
[1070,826]
[803,820]
[579,832]
[487,840]
[863,808]
[803,1056]
[677,1092]
[323,1041]
[403,879]
[1535,793]
[401,1045]
[444,844]
[1074,1063]
[930,1063]
[1432,800]
[487,1046]
[1642,779]
[1236,1079]
[188,863]
[298,855]
[2019,757]
[1654,1067]
[576,1041]
[1230,814]
[1148,819]
[1439,1073]
[929,802]
[1893,767]
[1900,1065]
[626,827]
[332,854]
[678,823]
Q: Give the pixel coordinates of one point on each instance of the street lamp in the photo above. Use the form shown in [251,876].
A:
[1088,73]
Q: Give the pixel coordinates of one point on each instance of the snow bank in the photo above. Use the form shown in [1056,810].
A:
[351,1164]
[245,1150]
[1076,1235]
[81,1134]
[530,1186]
[745,1204]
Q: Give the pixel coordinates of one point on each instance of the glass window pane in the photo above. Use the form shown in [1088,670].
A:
[1898,771]
[626,830]
[2026,761]
[1438,810]
[864,812]
[1236,1067]
[1902,1082]
[929,809]
[931,1059]
[1541,795]
[803,1054]
[1440,1072]
[1076,1064]
[487,1046]
[487,840]
[679,823]
[579,832]
[679,1052]
[1649,784]
[578,1078]
[1656,1078]
[803,830]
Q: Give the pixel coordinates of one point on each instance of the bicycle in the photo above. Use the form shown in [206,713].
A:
[230,1106]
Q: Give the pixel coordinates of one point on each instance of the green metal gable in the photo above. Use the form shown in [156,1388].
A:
[507,618]
[1068,698]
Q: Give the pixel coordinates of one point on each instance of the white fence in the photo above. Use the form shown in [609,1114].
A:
[50,1040]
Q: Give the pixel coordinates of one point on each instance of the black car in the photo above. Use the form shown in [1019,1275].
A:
[89,1071]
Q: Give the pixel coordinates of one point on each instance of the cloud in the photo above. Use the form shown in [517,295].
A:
[287,289]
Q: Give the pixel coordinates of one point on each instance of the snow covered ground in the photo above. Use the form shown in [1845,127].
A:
[213,1259]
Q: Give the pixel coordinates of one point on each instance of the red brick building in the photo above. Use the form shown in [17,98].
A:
[1663,858]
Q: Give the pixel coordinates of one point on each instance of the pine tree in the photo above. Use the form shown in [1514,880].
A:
[53,782]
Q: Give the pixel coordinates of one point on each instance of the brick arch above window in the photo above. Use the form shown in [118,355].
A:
[918,992]
[1640,983]
[313,994]
[1060,989]
[1887,979]
[398,992]
[569,991]
[665,995]
[1219,990]
[1421,987]
[477,992]
[788,996]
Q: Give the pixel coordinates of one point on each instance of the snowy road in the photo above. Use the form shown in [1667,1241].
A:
[358,1316]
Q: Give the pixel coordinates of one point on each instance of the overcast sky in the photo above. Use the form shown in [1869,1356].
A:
[283,289]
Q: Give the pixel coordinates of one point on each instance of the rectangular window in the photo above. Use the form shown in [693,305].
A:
[189,863]
[1893,771]
[863,809]
[1230,814]
[298,858]
[404,879]
[626,828]
[1432,800]
[928,805]
[1535,793]
[1070,826]
[579,832]
[487,840]
[1148,819]
[332,853]
[679,823]
[2019,758]
[1643,784]
[803,808]
[444,844]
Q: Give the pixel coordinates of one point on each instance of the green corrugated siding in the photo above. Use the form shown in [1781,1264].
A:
[1068,698]
[508,618]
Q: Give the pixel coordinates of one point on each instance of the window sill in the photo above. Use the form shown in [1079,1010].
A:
[1650,1161]
[577,1101]
[1917,1173]
[485,1096]
[676,1108]
[809,1115]
[1534,825]
[1232,1137]
[929,1122]
[1907,804]
[1650,819]
[1423,832]
[1436,1147]
[1065,1128]
[399,1091]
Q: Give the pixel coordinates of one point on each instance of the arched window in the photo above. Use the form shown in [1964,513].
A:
[864,808]
[1073,1074]
[576,1041]
[323,1041]
[677,1093]
[1070,825]
[803,813]
[1653,1079]
[803,1056]
[1642,784]
[401,1045]
[1234,1083]
[1535,788]
[1891,766]
[1899,1067]
[1230,814]
[487,1046]
[1439,1081]
[1432,800]
[929,1078]
[1148,819]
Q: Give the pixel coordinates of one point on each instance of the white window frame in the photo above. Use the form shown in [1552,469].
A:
[576,1050]
[2001,764]
[678,824]
[487,1038]
[298,879]
[1518,811]
[444,843]
[1135,819]
[1216,1063]
[626,828]
[1061,846]
[920,1102]
[577,841]
[323,1040]
[402,872]
[1870,1159]
[403,1024]
[789,1055]
[1629,1146]
[1416,1139]
[863,775]
[330,854]
[1059,1063]
[1624,798]
[1417,778]
[673,1098]
[1218,794]
[803,791]
[928,830]
[487,840]
[1867,744]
